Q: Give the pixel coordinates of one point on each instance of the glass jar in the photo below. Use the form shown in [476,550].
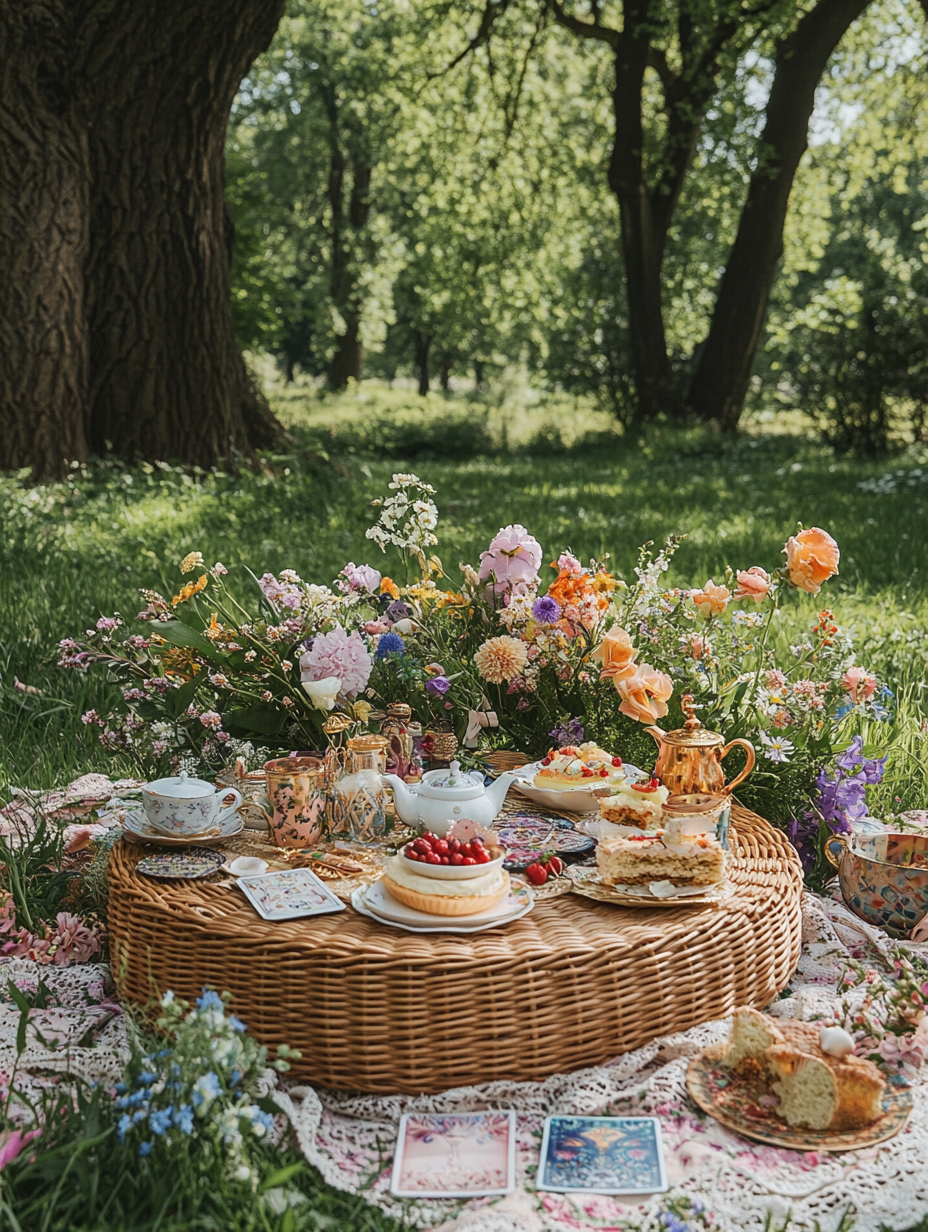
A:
[395,729]
[688,816]
[359,794]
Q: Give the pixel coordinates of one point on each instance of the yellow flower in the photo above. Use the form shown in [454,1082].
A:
[389,587]
[191,561]
[191,589]
[215,631]
[500,659]
[604,583]
[362,710]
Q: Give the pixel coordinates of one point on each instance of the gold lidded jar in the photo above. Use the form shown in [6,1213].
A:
[360,795]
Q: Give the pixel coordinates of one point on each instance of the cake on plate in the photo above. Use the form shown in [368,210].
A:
[639,859]
[452,898]
[582,765]
[811,1069]
[639,805]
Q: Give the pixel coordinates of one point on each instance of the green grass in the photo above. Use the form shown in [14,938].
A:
[73,551]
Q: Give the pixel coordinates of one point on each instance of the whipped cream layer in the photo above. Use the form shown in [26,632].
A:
[402,872]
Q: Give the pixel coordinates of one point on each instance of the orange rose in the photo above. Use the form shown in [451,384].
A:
[645,695]
[811,558]
[753,583]
[617,655]
[712,600]
[389,587]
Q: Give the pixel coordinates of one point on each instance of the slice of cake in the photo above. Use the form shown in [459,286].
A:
[636,804]
[642,858]
[816,1088]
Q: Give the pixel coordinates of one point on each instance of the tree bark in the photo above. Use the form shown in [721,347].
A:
[346,226]
[447,359]
[720,381]
[128,320]
[44,195]
[422,344]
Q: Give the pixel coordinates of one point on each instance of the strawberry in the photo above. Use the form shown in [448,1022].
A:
[537,874]
[554,865]
[617,761]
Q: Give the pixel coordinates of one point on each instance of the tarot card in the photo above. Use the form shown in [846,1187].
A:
[289,894]
[455,1155]
[606,1155]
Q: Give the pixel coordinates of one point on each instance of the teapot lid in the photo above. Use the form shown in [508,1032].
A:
[181,787]
[451,784]
[692,734]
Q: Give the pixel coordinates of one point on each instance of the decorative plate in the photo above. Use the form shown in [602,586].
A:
[526,836]
[289,894]
[586,882]
[734,1102]
[574,800]
[137,826]
[189,865]
[377,904]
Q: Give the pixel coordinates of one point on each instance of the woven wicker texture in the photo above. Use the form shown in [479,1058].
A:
[378,1010]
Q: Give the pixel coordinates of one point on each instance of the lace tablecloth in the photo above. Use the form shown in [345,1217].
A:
[718,1180]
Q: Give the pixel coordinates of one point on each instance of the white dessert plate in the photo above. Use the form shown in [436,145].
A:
[574,799]
[289,894]
[139,827]
[378,904]
[454,872]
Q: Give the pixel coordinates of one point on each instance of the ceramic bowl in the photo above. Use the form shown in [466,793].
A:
[455,872]
[247,866]
[880,877]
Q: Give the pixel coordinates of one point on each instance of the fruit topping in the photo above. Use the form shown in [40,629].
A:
[651,785]
[617,761]
[430,849]
[537,874]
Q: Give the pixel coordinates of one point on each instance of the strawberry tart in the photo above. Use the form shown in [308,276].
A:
[584,765]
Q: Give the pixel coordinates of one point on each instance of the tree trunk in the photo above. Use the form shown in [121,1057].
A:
[43,244]
[720,381]
[347,229]
[444,371]
[120,185]
[422,344]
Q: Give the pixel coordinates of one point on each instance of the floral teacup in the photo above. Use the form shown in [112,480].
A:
[883,877]
[182,805]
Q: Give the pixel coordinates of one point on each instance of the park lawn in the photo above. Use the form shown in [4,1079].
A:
[71,552]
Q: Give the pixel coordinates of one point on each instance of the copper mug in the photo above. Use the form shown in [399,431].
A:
[296,789]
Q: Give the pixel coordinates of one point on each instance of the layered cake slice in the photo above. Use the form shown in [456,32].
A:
[639,805]
[639,859]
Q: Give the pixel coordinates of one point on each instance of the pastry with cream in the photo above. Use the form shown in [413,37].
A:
[812,1070]
[452,897]
[583,765]
[641,858]
[639,805]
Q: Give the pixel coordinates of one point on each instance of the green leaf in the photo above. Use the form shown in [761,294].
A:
[254,719]
[282,1175]
[178,634]
[177,700]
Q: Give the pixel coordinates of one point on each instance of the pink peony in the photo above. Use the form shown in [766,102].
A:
[859,683]
[753,583]
[569,564]
[360,577]
[513,559]
[339,654]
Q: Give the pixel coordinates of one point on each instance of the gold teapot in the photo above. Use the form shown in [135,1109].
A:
[690,759]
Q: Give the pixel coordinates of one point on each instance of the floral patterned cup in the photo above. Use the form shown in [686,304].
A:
[184,805]
[297,792]
[883,877]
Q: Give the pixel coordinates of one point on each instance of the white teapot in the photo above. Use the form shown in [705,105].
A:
[443,796]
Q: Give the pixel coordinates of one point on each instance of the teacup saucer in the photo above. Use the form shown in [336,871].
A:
[137,826]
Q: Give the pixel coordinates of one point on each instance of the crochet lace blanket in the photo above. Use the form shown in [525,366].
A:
[718,1180]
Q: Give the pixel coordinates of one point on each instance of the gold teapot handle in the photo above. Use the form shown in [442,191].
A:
[839,841]
[752,758]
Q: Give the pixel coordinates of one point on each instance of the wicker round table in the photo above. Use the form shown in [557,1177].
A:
[379,1010]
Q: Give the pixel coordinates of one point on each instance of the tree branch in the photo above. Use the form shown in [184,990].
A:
[491,14]
[586,29]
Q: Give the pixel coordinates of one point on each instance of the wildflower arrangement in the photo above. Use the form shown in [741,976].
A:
[68,940]
[887,1014]
[516,651]
[203,1089]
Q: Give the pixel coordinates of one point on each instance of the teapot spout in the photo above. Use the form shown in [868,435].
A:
[497,792]
[658,733]
[407,806]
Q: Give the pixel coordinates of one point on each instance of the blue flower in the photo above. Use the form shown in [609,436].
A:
[145,1148]
[146,1078]
[160,1121]
[205,1089]
[390,643]
[236,1023]
[236,1077]
[123,1125]
[120,1088]
[260,1118]
[210,1000]
[672,1223]
[547,611]
[183,1119]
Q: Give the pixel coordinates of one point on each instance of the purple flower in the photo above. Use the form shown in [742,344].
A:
[571,732]
[390,643]
[547,611]
[397,610]
[438,686]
